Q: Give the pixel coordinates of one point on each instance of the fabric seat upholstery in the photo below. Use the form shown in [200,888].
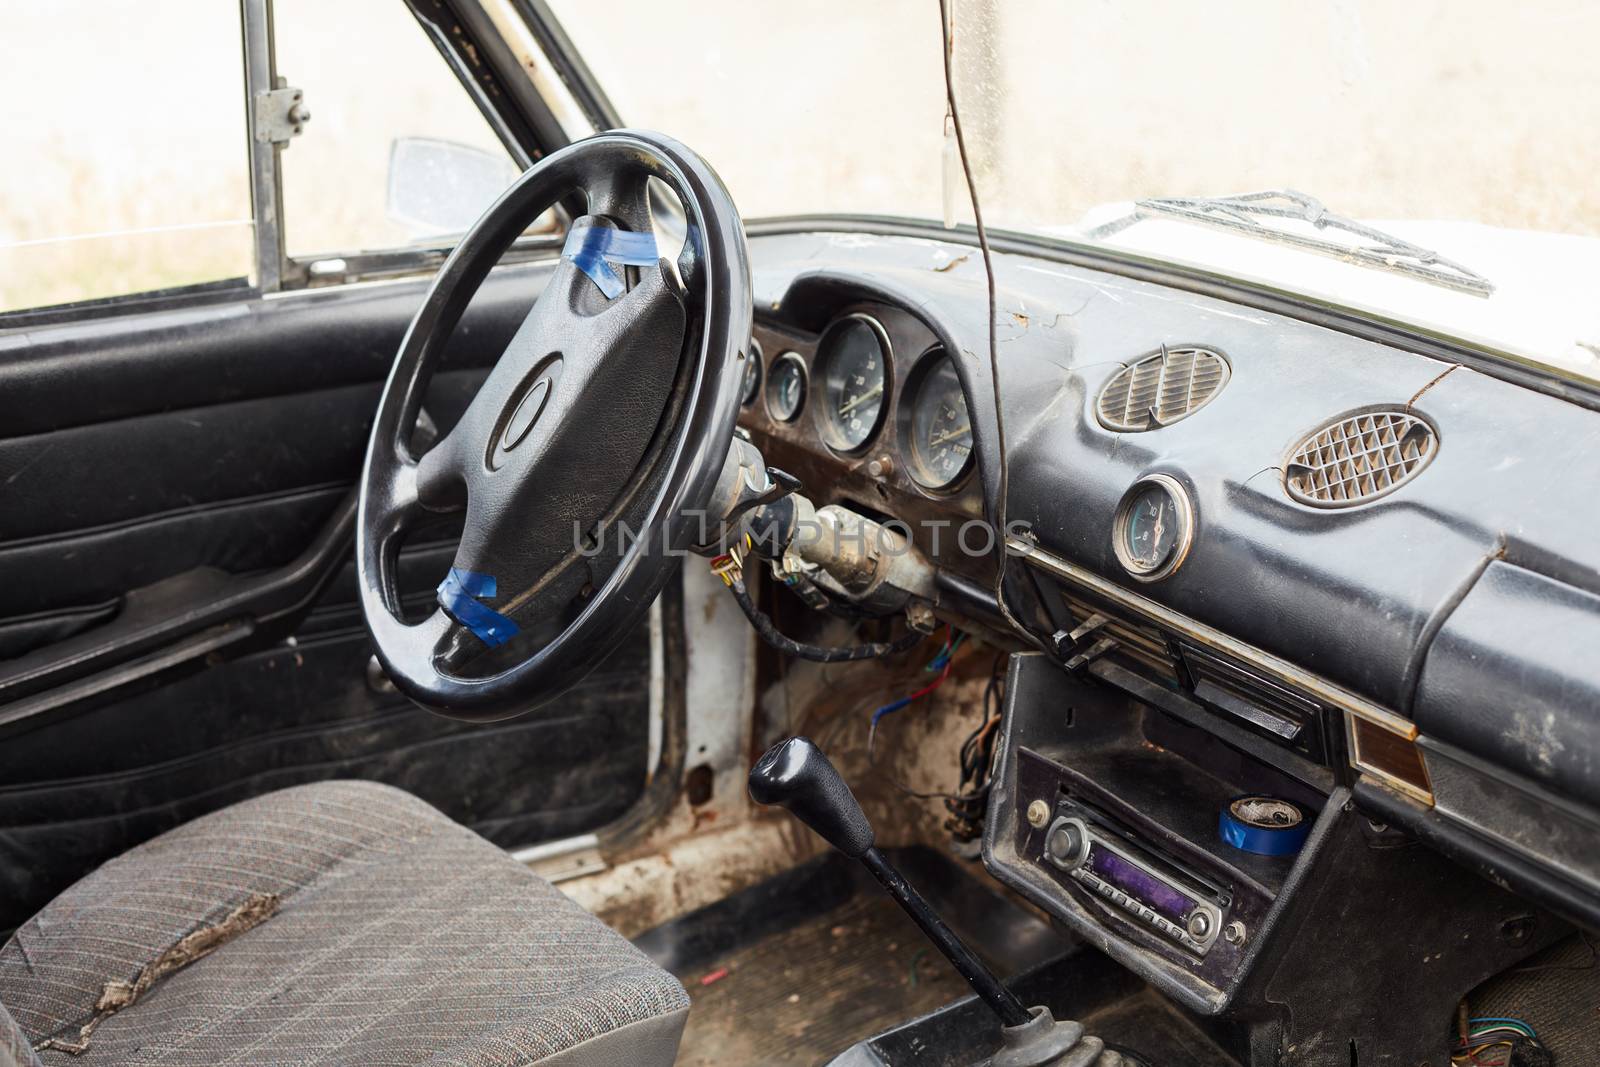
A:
[400,938]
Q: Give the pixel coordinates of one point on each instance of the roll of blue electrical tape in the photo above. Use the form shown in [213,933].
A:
[1264,825]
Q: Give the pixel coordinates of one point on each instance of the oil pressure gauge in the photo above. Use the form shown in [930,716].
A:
[1153,528]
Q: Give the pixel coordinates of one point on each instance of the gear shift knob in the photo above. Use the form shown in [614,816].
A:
[796,775]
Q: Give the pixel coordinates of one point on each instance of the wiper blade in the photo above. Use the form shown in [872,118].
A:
[1251,214]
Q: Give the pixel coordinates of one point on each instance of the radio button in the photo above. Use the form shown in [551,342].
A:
[1063,845]
[1199,925]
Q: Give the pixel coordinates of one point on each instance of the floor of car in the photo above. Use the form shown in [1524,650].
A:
[802,966]
[798,969]
[806,994]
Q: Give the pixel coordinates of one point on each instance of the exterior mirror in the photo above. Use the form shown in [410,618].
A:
[437,188]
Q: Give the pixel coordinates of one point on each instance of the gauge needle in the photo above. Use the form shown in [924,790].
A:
[950,435]
[1161,521]
[870,394]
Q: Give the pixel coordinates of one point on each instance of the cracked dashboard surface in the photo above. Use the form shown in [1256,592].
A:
[1371,567]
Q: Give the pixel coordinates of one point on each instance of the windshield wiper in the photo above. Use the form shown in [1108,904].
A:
[1251,214]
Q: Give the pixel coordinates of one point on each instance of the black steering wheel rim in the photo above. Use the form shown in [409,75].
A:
[611,170]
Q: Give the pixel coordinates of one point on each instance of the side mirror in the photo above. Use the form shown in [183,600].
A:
[437,188]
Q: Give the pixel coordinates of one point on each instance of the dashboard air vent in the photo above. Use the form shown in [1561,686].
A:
[1359,458]
[1161,388]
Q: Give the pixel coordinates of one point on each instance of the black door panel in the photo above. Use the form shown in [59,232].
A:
[224,437]
[151,461]
[56,377]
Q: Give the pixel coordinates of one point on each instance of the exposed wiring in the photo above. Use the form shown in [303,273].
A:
[943,662]
[945,653]
[968,807]
[1484,1036]
[816,653]
[953,116]
[896,705]
[967,804]
[1506,1023]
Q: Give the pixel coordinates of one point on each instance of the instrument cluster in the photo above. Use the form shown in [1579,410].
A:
[874,389]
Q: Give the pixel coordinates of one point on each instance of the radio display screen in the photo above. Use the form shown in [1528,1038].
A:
[1135,881]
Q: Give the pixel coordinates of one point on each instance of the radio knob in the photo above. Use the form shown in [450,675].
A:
[1063,845]
[1199,925]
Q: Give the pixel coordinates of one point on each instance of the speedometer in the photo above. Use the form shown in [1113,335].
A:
[939,428]
[853,363]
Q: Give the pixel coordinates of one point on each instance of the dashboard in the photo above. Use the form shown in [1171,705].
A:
[1349,582]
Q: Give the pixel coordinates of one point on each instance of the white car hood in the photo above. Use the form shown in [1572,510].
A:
[1545,306]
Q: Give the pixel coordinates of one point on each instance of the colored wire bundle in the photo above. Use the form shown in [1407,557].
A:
[940,663]
[967,804]
[942,660]
[976,757]
[1491,1041]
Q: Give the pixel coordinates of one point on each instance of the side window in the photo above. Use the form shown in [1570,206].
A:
[127,172]
[396,153]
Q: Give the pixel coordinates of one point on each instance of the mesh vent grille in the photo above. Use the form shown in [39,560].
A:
[1162,388]
[1359,458]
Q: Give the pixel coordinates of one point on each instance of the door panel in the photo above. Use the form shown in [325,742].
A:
[220,441]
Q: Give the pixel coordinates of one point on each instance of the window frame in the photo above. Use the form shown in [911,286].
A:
[470,45]
[466,37]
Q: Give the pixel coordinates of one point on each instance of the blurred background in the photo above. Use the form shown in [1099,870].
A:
[124,161]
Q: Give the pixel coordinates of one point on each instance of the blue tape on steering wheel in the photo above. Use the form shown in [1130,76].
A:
[1264,825]
[594,249]
[458,595]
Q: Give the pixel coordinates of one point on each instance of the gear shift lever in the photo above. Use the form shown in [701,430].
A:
[796,775]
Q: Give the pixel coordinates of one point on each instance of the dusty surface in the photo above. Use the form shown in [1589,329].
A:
[690,871]
[802,996]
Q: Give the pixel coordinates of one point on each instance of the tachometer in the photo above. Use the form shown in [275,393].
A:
[938,427]
[1153,527]
[786,387]
[853,363]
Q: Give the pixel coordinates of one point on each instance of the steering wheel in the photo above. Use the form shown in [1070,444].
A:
[585,456]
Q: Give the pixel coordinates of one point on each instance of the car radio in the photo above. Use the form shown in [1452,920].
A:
[1134,884]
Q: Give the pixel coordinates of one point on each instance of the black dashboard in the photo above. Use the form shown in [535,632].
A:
[1256,555]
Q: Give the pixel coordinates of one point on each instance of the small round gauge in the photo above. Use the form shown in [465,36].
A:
[750,386]
[786,387]
[1153,528]
[853,364]
[937,426]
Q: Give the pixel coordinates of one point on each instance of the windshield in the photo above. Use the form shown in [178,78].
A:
[1456,137]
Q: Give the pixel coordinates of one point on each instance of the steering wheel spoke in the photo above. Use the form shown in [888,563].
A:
[622,196]
[437,484]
